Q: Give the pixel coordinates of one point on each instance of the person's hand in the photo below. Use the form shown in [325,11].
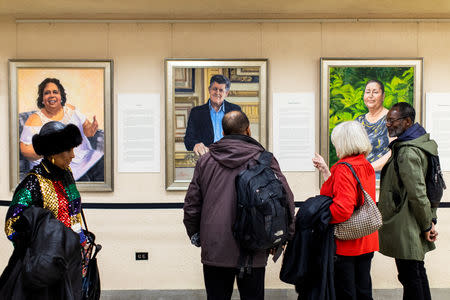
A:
[431,235]
[200,149]
[195,239]
[319,164]
[90,128]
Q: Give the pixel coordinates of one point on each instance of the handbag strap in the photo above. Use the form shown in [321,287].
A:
[98,247]
[354,174]
[84,219]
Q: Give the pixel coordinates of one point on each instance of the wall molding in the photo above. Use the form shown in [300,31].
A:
[270,294]
[300,20]
[156,205]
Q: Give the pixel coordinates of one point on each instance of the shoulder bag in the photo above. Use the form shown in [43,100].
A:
[365,219]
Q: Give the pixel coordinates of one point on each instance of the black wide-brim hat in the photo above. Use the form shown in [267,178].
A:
[55,137]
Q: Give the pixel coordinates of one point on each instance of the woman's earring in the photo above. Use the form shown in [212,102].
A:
[53,160]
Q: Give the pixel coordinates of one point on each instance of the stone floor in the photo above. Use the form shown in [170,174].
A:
[394,294]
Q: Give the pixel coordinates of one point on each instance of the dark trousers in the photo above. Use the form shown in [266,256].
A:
[413,277]
[219,283]
[352,277]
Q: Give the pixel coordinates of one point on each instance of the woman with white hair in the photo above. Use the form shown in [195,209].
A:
[353,257]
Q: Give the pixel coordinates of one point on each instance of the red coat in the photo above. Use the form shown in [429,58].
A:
[343,188]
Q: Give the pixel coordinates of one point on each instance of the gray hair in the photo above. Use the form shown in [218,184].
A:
[350,138]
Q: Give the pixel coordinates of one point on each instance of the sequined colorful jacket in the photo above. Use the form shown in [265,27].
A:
[49,187]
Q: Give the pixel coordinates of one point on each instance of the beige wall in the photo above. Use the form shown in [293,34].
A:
[138,51]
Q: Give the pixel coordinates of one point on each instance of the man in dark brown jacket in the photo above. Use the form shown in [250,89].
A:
[210,210]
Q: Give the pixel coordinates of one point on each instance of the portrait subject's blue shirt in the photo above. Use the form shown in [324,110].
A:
[216,118]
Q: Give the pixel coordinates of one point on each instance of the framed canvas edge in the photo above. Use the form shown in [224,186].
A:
[182,185]
[326,62]
[108,65]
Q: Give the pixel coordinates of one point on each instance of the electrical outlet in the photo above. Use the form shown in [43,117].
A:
[141,255]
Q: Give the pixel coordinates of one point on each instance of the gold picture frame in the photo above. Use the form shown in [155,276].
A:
[89,90]
[342,82]
[248,89]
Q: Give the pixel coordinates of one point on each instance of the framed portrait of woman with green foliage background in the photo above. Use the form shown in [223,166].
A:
[364,90]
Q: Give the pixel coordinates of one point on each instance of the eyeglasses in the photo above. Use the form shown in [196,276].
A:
[390,121]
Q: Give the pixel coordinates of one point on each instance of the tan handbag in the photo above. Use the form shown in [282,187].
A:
[365,219]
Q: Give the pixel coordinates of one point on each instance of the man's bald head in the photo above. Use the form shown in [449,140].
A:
[235,122]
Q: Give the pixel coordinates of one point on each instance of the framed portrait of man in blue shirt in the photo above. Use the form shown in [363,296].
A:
[194,113]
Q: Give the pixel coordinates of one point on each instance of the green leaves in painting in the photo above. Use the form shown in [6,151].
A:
[399,89]
[347,86]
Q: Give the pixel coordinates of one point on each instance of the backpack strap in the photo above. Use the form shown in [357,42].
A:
[245,262]
[396,168]
[265,158]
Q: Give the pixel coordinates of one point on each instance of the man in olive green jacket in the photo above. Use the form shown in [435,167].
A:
[408,230]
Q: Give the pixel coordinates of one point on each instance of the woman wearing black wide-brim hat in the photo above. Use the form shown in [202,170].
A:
[44,223]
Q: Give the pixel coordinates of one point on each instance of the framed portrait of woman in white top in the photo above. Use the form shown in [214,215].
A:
[76,92]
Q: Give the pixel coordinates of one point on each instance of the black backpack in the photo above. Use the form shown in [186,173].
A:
[263,215]
[433,180]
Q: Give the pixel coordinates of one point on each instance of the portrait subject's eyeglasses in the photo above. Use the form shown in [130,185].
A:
[390,121]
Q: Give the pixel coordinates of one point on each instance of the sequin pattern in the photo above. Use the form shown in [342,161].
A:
[8,227]
[49,187]
[50,198]
[22,197]
[72,192]
[63,204]
[75,207]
